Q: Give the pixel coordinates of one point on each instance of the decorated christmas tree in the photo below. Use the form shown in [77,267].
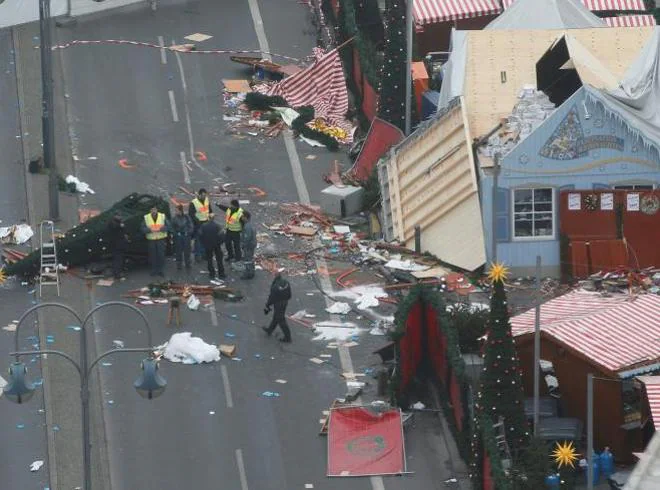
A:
[501,393]
[392,90]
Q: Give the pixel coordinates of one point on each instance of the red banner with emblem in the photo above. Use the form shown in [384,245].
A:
[364,443]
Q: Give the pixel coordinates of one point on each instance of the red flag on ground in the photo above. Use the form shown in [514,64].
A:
[381,137]
[363,443]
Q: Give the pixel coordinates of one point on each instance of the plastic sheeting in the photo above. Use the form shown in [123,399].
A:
[546,14]
[453,72]
[186,349]
[637,99]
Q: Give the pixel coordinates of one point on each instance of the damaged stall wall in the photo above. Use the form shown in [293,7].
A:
[579,147]
[432,183]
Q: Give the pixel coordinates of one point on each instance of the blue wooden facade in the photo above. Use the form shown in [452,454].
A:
[580,146]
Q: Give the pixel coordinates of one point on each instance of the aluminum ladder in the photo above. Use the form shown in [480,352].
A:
[502,444]
[48,271]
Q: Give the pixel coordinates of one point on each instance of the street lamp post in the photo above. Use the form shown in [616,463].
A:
[149,385]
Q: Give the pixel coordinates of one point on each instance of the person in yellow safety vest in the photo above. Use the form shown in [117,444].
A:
[199,210]
[156,228]
[234,226]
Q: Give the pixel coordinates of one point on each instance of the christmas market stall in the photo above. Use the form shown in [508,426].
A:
[89,241]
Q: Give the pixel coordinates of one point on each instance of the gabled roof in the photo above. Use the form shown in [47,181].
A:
[546,14]
[617,335]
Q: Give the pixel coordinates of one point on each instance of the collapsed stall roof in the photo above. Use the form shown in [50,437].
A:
[546,14]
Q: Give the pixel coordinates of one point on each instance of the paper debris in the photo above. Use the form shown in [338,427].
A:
[329,330]
[228,350]
[339,308]
[36,465]
[105,282]
[10,328]
[237,86]
[193,302]
[16,235]
[281,381]
[310,157]
[355,384]
[211,412]
[419,406]
[316,360]
[198,37]
[119,344]
[364,296]
[271,394]
[184,348]
[342,229]
[351,344]
[406,265]
[81,186]
[309,485]
[325,355]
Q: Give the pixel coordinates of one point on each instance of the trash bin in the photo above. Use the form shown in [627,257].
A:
[606,462]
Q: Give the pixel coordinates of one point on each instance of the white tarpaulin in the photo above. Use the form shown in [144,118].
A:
[546,14]
[184,348]
[637,99]
[17,234]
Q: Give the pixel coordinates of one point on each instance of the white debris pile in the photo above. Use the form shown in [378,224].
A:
[364,297]
[16,234]
[184,348]
[406,265]
[82,187]
[335,330]
[532,109]
[339,308]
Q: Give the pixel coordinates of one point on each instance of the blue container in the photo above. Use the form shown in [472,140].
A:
[606,463]
[596,463]
[552,482]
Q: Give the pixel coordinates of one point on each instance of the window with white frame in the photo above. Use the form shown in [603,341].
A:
[533,211]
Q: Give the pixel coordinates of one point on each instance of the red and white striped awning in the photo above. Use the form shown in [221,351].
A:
[572,306]
[652,385]
[434,11]
[617,338]
[630,21]
[597,5]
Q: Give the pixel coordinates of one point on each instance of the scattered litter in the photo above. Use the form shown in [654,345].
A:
[10,328]
[228,350]
[20,426]
[36,465]
[75,328]
[50,339]
[184,348]
[56,428]
[419,406]
[111,402]
[335,330]
[80,186]
[339,308]
[365,297]
[316,360]
[257,356]
[312,142]
[355,384]
[198,37]
[309,315]
[451,480]
[236,359]
[351,344]
[106,364]
[230,335]
[310,157]
[438,271]
[271,394]
[325,355]
[211,412]
[105,282]
[342,229]
[281,381]
[193,302]
[16,234]
[406,265]
[119,344]
[309,485]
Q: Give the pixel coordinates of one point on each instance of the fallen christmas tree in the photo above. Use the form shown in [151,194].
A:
[88,241]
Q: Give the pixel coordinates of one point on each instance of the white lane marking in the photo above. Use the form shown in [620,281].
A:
[175,114]
[184,167]
[259,28]
[241,469]
[214,315]
[298,178]
[163,52]
[225,382]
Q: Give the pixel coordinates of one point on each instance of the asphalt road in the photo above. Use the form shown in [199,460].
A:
[22,425]
[212,428]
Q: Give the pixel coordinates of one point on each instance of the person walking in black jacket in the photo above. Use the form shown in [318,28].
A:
[211,235]
[280,294]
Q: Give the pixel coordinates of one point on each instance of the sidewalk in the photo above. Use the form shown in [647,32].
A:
[62,405]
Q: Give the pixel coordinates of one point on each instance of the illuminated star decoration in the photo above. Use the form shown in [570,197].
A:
[3,277]
[565,454]
[498,272]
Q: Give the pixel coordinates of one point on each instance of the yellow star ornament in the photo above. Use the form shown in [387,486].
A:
[498,272]
[565,454]
[3,276]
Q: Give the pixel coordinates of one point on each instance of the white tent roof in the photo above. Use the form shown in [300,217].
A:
[637,98]
[546,14]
